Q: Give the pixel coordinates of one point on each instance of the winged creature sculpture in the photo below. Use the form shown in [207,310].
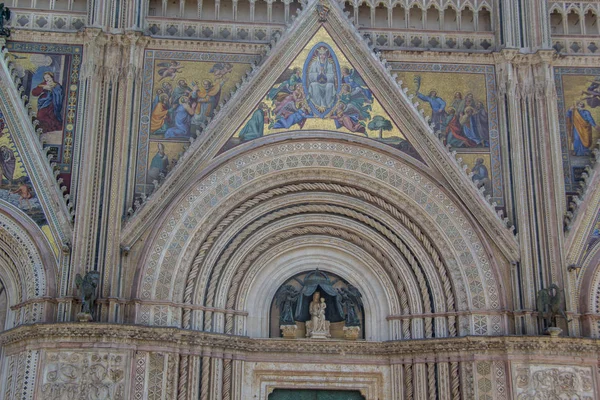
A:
[286,299]
[549,305]
[347,302]
[88,285]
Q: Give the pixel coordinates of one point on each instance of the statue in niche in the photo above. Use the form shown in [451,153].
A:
[347,301]
[87,285]
[286,299]
[338,312]
[318,326]
[549,307]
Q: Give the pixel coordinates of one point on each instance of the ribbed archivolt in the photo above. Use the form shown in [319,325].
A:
[436,278]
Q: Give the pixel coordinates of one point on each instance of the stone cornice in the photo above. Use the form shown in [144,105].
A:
[83,37]
[179,340]
[207,45]
[24,35]
[454,57]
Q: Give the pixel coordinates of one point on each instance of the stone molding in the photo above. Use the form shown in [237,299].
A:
[39,336]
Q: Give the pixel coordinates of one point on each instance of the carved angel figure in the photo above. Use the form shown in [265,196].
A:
[347,302]
[88,285]
[286,299]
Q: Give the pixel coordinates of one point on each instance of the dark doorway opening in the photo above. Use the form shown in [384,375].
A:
[308,394]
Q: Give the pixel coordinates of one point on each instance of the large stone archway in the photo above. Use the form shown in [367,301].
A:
[206,246]
[27,268]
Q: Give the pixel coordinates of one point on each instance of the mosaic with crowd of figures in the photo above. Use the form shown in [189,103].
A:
[578,91]
[16,187]
[180,93]
[50,77]
[321,91]
[461,102]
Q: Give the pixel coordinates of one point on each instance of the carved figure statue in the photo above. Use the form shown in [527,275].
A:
[549,305]
[318,326]
[88,285]
[286,299]
[347,302]
[4,17]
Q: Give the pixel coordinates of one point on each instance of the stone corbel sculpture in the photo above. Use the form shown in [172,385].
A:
[87,286]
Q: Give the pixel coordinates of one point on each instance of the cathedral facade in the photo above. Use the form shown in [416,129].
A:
[275,200]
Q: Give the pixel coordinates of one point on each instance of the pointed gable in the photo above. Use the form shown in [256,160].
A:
[298,45]
[321,90]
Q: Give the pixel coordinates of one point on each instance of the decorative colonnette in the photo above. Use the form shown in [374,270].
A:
[146,362]
[355,172]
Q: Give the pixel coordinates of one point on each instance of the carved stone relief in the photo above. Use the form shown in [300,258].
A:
[83,375]
[532,381]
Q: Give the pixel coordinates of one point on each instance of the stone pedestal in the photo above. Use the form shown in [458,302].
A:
[288,331]
[83,317]
[351,332]
[317,334]
[554,331]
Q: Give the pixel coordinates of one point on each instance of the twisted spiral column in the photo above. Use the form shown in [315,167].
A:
[408,382]
[226,379]
[455,379]
[183,378]
[431,381]
[205,381]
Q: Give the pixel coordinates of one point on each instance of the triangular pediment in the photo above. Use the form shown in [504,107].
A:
[322,25]
[321,90]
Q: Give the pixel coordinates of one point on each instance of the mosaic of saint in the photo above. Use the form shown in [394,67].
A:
[50,76]
[461,102]
[180,94]
[578,93]
[15,186]
[321,90]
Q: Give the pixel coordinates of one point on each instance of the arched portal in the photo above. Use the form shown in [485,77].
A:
[208,248]
[27,270]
